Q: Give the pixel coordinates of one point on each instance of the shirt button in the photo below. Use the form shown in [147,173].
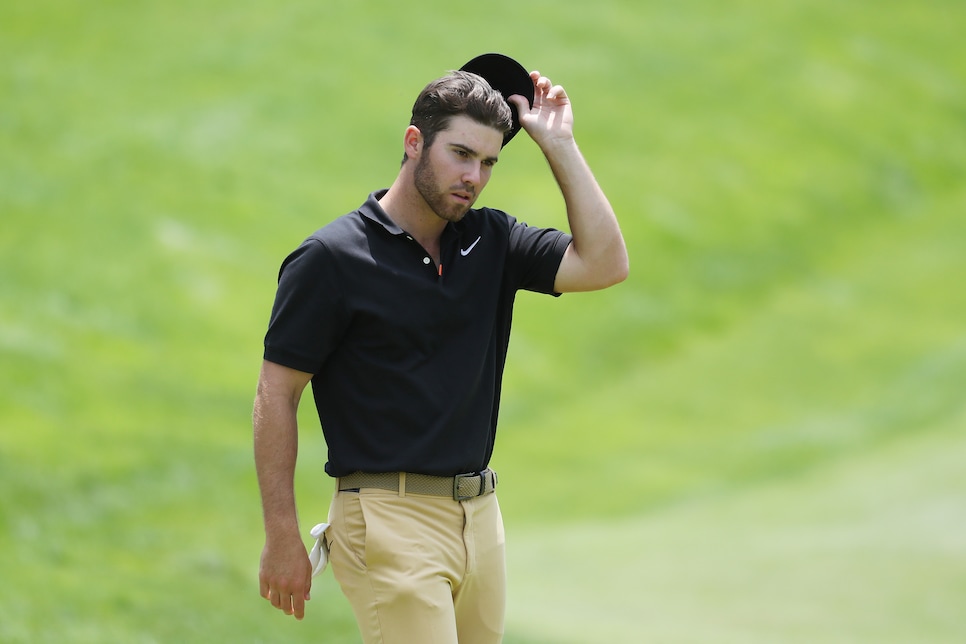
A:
[426,260]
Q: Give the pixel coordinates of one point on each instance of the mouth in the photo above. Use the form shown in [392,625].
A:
[465,198]
[463,194]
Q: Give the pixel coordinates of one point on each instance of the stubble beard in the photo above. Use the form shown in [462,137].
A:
[424,177]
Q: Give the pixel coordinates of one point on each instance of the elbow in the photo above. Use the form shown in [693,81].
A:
[619,274]
[621,277]
[606,269]
[615,272]
[619,270]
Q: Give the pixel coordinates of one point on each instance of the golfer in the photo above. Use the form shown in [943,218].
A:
[399,315]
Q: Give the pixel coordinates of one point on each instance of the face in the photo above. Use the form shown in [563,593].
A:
[452,172]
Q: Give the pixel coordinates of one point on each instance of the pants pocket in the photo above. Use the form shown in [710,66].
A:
[349,528]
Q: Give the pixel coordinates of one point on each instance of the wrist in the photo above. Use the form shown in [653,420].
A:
[281,527]
[554,146]
[283,540]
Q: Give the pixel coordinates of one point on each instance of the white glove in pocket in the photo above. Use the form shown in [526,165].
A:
[319,556]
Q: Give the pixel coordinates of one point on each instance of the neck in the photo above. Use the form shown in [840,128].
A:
[407,208]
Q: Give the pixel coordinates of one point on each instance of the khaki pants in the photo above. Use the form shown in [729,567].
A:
[420,569]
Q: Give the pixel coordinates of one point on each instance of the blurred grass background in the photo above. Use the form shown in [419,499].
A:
[759,437]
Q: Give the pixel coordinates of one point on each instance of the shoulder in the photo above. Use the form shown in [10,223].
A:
[322,246]
[489,220]
[337,237]
[348,227]
[513,228]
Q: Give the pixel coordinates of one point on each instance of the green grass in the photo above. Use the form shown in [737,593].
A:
[756,438]
[823,556]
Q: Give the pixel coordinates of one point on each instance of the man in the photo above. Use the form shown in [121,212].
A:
[399,314]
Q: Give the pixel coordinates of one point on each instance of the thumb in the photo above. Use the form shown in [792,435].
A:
[521,103]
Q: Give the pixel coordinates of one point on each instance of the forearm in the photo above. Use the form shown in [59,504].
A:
[275,425]
[598,245]
[284,574]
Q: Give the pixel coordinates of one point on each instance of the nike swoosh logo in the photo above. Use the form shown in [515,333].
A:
[466,251]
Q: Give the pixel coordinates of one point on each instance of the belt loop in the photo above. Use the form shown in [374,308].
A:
[402,484]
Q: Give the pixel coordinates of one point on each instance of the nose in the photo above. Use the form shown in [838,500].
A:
[473,173]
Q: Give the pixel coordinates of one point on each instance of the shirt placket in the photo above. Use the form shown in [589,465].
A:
[432,268]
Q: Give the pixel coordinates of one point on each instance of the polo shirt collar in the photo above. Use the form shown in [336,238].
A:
[373,211]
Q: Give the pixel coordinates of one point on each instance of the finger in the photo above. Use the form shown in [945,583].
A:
[263,588]
[298,606]
[521,103]
[306,596]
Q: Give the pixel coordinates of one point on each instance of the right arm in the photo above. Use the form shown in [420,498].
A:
[285,574]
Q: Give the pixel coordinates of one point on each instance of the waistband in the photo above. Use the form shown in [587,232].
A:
[459,488]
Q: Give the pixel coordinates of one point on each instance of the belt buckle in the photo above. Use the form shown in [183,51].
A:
[456,485]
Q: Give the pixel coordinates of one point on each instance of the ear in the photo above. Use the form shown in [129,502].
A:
[413,142]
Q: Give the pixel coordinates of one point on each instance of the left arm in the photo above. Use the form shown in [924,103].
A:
[597,256]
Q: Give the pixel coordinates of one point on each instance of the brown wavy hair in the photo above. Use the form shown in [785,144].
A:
[459,93]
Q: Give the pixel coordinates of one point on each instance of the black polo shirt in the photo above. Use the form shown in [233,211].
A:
[407,357]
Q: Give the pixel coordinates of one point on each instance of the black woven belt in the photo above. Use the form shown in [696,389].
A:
[460,487]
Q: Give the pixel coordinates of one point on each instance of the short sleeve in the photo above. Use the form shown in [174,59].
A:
[308,317]
[534,256]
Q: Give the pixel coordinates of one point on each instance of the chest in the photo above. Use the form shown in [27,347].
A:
[402,299]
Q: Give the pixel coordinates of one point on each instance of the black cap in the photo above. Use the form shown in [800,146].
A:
[506,76]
